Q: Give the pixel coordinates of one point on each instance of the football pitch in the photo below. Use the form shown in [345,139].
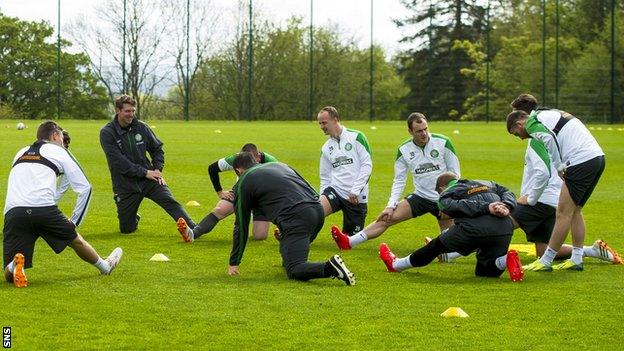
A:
[191,302]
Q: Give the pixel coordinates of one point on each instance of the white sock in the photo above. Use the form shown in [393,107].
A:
[548,256]
[102,265]
[590,252]
[501,263]
[357,238]
[577,255]
[453,255]
[401,264]
[11,266]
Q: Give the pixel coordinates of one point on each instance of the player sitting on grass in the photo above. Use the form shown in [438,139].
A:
[425,156]
[482,224]
[225,206]
[345,168]
[31,212]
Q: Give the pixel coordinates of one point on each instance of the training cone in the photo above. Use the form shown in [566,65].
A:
[159,258]
[454,312]
[193,203]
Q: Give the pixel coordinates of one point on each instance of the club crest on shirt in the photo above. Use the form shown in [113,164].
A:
[348,147]
[138,137]
[434,153]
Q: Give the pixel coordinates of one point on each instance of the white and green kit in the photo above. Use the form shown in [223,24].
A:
[346,164]
[425,164]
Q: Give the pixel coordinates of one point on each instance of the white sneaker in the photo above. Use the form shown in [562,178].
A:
[606,253]
[113,259]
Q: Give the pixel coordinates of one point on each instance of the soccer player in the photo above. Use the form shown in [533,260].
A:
[579,160]
[30,209]
[290,203]
[225,206]
[345,169]
[482,224]
[126,142]
[425,156]
[537,206]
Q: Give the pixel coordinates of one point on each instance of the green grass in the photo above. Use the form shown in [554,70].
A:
[190,302]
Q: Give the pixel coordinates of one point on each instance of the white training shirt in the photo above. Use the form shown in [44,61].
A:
[34,184]
[573,145]
[346,164]
[425,164]
[540,181]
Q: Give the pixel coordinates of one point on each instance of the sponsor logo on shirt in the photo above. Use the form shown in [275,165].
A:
[426,168]
[479,189]
[341,161]
[412,155]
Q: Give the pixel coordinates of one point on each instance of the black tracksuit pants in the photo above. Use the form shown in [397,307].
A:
[128,205]
[297,234]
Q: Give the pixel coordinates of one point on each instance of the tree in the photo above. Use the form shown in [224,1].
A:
[144,32]
[28,74]
[432,67]
[280,79]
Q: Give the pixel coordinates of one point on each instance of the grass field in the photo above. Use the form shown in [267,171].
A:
[190,302]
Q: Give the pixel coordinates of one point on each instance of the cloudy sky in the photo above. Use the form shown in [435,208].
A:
[353,16]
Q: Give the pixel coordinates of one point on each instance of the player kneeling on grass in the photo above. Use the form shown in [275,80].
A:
[536,211]
[482,224]
[288,201]
[225,206]
[30,209]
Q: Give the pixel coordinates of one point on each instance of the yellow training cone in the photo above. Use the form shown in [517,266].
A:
[159,258]
[454,312]
[193,203]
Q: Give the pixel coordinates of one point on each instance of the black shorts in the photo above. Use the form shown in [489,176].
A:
[24,225]
[420,206]
[536,221]
[353,216]
[487,247]
[581,179]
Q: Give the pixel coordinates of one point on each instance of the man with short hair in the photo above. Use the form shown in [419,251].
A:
[425,155]
[345,169]
[482,224]
[579,160]
[289,202]
[30,209]
[225,206]
[126,141]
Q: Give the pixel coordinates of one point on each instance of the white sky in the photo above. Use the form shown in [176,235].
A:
[353,16]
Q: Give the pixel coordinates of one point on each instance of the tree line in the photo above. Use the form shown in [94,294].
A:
[465,60]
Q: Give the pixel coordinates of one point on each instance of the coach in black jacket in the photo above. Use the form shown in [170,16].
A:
[125,141]
[482,225]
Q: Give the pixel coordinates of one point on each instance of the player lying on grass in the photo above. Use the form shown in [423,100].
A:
[225,206]
[289,202]
[31,212]
[425,156]
[482,225]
